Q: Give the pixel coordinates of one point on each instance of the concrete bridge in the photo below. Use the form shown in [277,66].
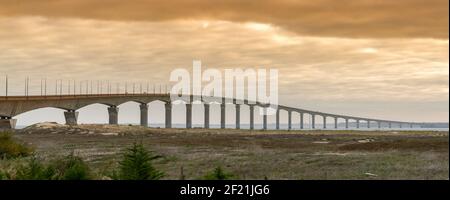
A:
[11,106]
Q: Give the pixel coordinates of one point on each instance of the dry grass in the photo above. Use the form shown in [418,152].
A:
[422,144]
[259,154]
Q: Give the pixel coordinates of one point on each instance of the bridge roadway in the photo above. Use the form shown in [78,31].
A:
[12,106]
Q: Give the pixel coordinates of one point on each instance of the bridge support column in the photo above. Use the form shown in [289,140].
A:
[188,115]
[368,124]
[346,123]
[410,125]
[379,124]
[289,120]
[206,122]
[144,114]
[278,119]
[357,123]
[301,120]
[222,115]
[265,119]
[400,125]
[324,122]
[168,107]
[238,116]
[71,117]
[113,112]
[252,116]
[7,123]
[390,125]
[313,121]
[335,123]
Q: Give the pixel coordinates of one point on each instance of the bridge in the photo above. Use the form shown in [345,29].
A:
[11,106]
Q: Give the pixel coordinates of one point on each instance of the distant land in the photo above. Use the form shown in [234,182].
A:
[435,126]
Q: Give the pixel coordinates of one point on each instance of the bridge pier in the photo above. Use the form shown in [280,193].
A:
[301,120]
[168,122]
[400,125]
[346,123]
[238,116]
[335,123]
[188,115]
[252,116]
[313,121]
[7,123]
[113,112]
[379,124]
[222,115]
[289,120]
[357,123]
[265,119]
[278,119]
[71,117]
[368,124]
[390,125]
[324,122]
[144,114]
[206,122]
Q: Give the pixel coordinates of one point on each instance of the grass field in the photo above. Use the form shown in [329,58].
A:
[254,154]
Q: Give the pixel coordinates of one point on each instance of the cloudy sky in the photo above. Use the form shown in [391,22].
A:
[372,58]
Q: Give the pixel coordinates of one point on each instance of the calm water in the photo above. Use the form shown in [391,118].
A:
[294,127]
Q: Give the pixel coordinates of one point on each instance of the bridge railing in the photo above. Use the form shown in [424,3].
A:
[71,96]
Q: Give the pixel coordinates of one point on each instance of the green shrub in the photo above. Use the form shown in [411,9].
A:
[10,148]
[136,164]
[3,175]
[70,168]
[34,169]
[218,174]
[67,168]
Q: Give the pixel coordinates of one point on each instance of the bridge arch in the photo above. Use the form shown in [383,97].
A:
[93,104]
[45,114]
[38,108]
[156,113]
[93,113]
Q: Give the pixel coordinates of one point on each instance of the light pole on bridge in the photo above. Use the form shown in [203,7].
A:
[60,87]
[45,86]
[27,80]
[6,86]
[126,87]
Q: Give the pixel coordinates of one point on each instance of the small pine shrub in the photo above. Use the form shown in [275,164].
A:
[10,148]
[218,174]
[136,164]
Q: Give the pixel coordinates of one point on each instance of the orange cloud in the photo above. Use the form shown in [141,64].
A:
[343,18]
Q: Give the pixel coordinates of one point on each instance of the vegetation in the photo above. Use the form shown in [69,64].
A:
[195,154]
[67,168]
[34,170]
[136,164]
[219,174]
[11,148]
[3,175]
[70,168]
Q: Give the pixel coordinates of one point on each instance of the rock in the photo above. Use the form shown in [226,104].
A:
[370,174]
[366,140]
[321,142]
[115,134]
